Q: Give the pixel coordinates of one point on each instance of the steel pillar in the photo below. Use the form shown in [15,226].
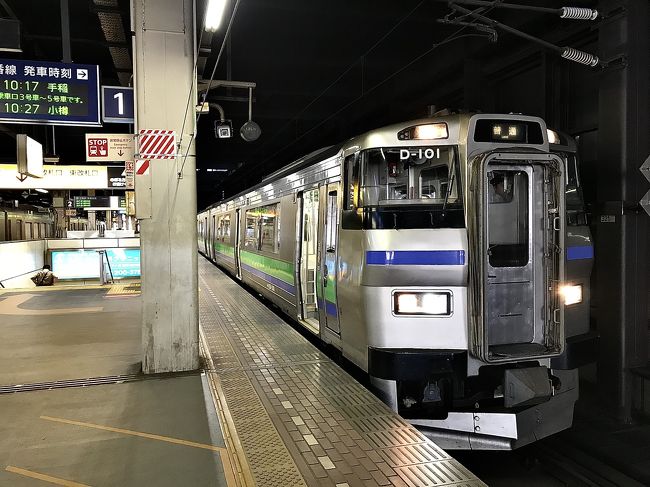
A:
[622,228]
[164,54]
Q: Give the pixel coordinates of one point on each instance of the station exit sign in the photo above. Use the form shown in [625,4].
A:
[49,93]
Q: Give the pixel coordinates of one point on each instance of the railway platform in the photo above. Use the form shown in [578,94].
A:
[266,409]
[293,416]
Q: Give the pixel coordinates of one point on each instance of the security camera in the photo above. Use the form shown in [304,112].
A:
[223,129]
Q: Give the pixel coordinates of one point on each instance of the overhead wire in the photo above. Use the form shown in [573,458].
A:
[452,37]
[349,68]
[214,70]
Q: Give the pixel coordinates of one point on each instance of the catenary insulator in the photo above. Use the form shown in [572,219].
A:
[580,57]
[578,13]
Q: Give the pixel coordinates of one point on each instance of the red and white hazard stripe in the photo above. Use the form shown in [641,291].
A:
[141,167]
[157,144]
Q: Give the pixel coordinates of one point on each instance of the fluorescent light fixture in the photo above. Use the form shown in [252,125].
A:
[41,190]
[422,303]
[214,14]
[572,294]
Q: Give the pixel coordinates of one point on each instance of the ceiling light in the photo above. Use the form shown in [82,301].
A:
[40,190]
[214,14]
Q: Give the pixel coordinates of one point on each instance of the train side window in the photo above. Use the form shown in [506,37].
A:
[225,228]
[252,236]
[352,163]
[269,225]
[350,218]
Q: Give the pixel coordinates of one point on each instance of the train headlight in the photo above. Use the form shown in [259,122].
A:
[428,131]
[422,303]
[553,136]
[572,294]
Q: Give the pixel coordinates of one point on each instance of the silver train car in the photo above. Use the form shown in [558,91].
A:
[432,254]
[25,223]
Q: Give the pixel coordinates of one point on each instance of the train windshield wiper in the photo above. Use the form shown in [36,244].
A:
[450,187]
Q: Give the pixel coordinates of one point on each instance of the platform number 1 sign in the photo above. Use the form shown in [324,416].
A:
[117,104]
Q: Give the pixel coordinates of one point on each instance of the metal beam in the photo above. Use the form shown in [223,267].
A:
[8,9]
[65,32]
[622,228]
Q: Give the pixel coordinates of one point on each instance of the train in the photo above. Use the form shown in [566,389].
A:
[448,258]
[26,222]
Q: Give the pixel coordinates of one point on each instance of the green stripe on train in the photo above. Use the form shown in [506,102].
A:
[273,267]
[225,249]
[330,289]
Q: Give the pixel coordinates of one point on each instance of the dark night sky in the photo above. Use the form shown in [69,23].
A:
[325,71]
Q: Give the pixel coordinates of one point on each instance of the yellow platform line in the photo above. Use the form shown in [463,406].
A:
[238,468]
[150,436]
[223,452]
[43,477]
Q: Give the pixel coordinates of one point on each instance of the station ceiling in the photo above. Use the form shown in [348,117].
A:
[325,70]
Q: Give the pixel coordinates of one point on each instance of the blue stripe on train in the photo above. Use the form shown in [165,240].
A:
[273,280]
[415,257]
[580,252]
[330,308]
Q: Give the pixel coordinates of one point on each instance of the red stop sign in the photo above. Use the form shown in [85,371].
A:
[97,147]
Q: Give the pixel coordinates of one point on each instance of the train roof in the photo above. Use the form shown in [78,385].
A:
[386,136]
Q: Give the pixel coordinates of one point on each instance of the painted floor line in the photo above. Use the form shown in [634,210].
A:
[43,477]
[150,436]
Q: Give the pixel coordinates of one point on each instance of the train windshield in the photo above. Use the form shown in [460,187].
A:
[411,187]
[418,175]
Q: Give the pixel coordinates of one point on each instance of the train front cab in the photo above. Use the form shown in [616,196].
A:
[501,392]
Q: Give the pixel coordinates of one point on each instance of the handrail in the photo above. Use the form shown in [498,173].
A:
[14,277]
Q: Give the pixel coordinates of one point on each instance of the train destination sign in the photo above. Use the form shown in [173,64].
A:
[49,93]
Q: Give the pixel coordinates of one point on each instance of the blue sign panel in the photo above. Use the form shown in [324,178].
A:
[49,93]
[84,264]
[117,104]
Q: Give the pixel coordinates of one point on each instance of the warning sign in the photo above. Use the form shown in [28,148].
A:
[109,147]
[129,171]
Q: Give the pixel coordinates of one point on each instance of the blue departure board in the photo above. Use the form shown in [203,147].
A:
[49,93]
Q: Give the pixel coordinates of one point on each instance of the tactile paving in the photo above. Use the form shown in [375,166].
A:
[301,419]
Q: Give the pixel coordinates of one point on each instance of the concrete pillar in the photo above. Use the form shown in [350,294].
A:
[622,227]
[164,50]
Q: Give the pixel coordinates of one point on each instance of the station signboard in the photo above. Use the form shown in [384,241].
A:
[116,177]
[129,174]
[92,201]
[117,104]
[109,147]
[49,93]
[100,202]
[62,177]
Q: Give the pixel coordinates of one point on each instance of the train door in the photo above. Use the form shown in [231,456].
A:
[308,257]
[328,308]
[204,235]
[521,242]
[19,229]
[237,241]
